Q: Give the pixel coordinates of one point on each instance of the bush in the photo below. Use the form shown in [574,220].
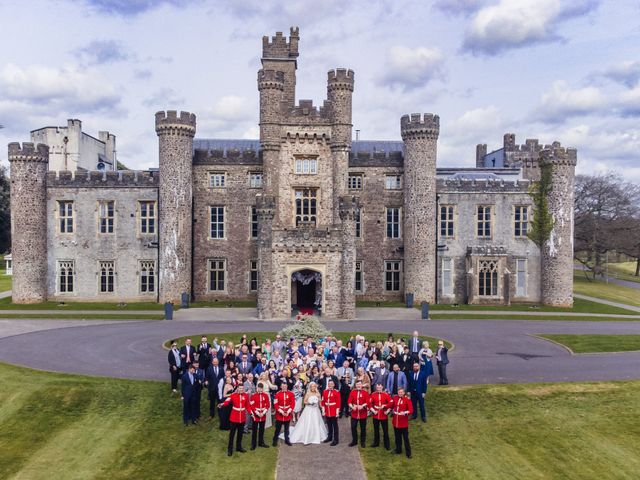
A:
[305,327]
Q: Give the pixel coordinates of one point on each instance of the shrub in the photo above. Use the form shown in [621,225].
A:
[305,327]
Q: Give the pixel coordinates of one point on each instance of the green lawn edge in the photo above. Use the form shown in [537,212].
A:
[595,343]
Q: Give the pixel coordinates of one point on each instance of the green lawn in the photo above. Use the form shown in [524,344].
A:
[597,343]
[80,316]
[540,431]
[5,304]
[623,271]
[5,283]
[541,318]
[606,291]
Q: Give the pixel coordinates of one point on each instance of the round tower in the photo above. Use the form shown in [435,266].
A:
[29,165]
[175,199]
[420,136]
[340,84]
[348,208]
[556,280]
[265,208]
[271,88]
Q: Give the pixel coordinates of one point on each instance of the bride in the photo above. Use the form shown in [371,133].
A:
[310,427]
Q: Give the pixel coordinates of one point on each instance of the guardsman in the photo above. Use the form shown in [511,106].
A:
[238,416]
[380,406]
[359,407]
[402,408]
[330,407]
[283,403]
[258,407]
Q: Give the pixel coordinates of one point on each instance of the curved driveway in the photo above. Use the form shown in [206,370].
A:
[486,351]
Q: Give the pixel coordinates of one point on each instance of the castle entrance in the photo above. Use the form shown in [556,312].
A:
[306,292]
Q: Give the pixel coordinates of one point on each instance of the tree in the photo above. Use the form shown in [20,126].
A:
[5,211]
[542,221]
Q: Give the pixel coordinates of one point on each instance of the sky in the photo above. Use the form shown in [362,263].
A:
[566,70]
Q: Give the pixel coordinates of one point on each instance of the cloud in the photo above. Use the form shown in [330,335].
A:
[629,102]
[562,102]
[459,7]
[100,52]
[519,23]
[625,73]
[132,7]
[163,98]
[410,68]
[476,123]
[229,114]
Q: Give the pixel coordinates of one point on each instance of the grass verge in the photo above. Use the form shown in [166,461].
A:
[533,318]
[590,343]
[606,291]
[5,304]
[5,283]
[79,316]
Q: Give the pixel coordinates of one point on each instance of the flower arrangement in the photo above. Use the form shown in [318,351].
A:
[305,326]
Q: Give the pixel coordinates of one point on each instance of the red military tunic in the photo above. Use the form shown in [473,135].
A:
[240,404]
[402,408]
[330,403]
[283,403]
[258,406]
[380,404]
[359,398]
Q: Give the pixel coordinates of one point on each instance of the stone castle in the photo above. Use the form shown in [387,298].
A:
[303,218]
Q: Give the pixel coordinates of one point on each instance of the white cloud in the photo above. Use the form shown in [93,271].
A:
[629,102]
[627,73]
[562,102]
[230,113]
[477,121]
[518,23]
[459,7]
[410,68]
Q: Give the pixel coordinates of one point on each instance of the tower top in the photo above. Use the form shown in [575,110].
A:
[171,121]
[28,152]
[278,48]
[418,126]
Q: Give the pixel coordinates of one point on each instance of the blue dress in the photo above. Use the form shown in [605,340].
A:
[428,364]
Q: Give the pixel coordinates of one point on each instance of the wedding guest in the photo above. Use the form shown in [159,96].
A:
[442,357]
[224,411]
[175,365]
[277,359]
[401,407]
[392,356]
[203,353]
[346,384]
[249,389]
[278,345]
[396,380]
[213,375]
[330,406]
[260,367]
[425,357]
[359,405]
[327,377]
[267,349]
[270,389]
[298,394]
[345,369]
[283,404]
[364,378]
[187,353]
[415,344]
[244,366]
[260,409]
[239,402]
[188,396]
[380,406]
[418,390]
[199,385]
[380,374]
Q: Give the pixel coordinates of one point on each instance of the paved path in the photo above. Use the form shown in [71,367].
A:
[5,294]
[61,311]
[607,302]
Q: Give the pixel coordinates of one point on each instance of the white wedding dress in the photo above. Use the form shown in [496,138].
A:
[310,427]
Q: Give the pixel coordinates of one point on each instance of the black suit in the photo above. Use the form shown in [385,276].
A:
[174,369]
[204,359]
[442,365]
[322,386]
[213,380]
[188,357]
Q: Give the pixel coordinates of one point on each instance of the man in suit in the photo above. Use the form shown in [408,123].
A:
[197,399]
[187,353]
[330,406]
[415,344]
[260,367]
[244,366]
[380,374]
[326,379]
[442,357]
[203,353]
[418,390]
[213,375]
[396,380]
[175,365]
[344,370]
[188,396]
[244,350]
[278,345]
[405,361]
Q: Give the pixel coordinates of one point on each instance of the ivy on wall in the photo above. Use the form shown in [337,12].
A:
[542,222]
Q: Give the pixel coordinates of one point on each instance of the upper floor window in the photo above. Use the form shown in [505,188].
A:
[217,179]
[393,222]
[306,166]
[521,220]
[484,221]
[107,277]
[446,220]
[393,182]
[355,182]
[254,222]
[217,222]
[65,216]
[306,205]
[255,180]
[107,216]
[358,222]
[66,271]
[148,216]
[358,284]
[147,276]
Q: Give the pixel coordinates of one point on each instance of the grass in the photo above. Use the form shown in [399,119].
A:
[55,426]
[5,282]
[623,271]
[5,304]
[606,291]
[80,316]
[262,336]
[589,343]
[535,318]
[535,431]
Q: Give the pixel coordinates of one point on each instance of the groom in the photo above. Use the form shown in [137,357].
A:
[330,408]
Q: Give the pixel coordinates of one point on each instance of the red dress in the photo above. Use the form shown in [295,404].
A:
[258,406]
[399,406]
[360,398]
[380,404]
[283,403]
[330,403]
[239,405]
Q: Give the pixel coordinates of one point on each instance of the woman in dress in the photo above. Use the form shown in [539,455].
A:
[310,427]
[270,389]
[425,356]
[225,391]
[298,394]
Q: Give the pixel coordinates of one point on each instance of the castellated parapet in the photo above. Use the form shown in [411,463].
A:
[280,55]
[175,134]
[557,252]
[29,164]
[420,135]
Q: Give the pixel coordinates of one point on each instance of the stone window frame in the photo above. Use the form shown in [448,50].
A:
[153,217]
[386,223]
[399,270]
[220,277]
[145,266]
[106,277]
[217,180]
[299,164]
[67,220]
[256,179]
[313,217]
[254,275]
[396,184]
[254,227]
[525,287]
[527,221]
[101,204]
[359,272]
[497,282]
[484,220]
[449,222]
[64,265]
[451,271]
[222,225]
[358,181]
[358,223]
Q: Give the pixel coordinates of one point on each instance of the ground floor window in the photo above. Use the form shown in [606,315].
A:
[392,271]
[147,276]
[488,278]
[66,271]
[521,277]
[447,276]
[107,274]
[217,272]
[253,275]
[359,285]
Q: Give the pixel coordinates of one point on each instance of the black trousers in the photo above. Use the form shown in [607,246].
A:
[257,434]
[175,375]
[279,424]
[354,430]
[442,373]
[402,434]
[385,433]
[213,401]
[332,427]
[235,428]
[198,400]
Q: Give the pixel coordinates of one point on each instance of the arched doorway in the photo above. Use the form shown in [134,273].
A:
[306,292]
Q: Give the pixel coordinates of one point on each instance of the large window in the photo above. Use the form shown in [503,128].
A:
[65,216]
[217,222]
[217,179]
[392,273]
[107,277]
[521,277]
[521,220]
[393,222]
[487,278]
[65,276]
[306,205]
[447,276]
[359,285]
[107,216]
[393,182]
[147,276]
[255,180]
[253,275]
[358,223]
[147,217]
[446,221]
[355,182]
[306,166]
[484,221]
[254,222]
[217,271]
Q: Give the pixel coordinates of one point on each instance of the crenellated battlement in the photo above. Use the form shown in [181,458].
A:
[28,152]
[170,121]
[103,179]
[231,156]
[558,155]
[418,125]
[279,47]
[270,79]
[309,111]
[340,78]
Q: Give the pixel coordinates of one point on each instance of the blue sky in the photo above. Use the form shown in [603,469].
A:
[566,70]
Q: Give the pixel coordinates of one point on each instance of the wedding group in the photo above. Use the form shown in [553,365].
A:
[303,388]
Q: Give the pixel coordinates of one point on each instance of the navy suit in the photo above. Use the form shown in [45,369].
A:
[188,398]
[443,353]
[199,378]
[417,388]
[175,368]
[213,381]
